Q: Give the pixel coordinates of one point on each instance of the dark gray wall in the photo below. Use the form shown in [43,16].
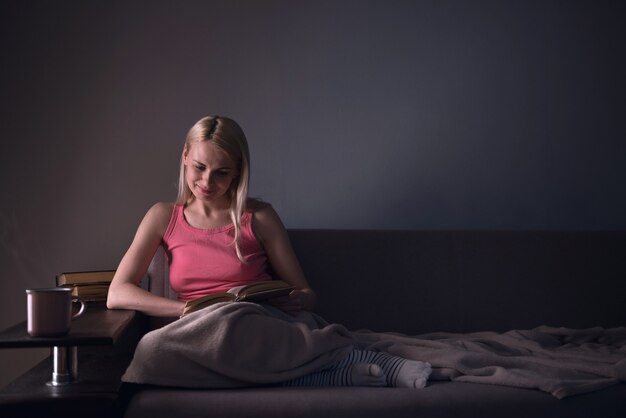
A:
[360,114]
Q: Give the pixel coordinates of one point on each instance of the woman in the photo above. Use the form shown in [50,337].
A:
[217,238]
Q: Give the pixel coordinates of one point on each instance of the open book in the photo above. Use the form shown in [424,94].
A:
[254,292]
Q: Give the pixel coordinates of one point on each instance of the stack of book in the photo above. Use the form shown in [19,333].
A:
[90,286]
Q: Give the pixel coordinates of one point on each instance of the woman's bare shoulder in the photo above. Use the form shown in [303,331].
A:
[257,206]
[260,209]
[161,210]
[265,221]
[163,207]
[158,216]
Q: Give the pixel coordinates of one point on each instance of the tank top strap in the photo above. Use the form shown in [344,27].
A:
[177,213]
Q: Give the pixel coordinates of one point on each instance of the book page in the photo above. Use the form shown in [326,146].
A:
[259,291]
[246,291]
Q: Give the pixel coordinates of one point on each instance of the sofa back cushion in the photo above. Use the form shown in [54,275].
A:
[462,281]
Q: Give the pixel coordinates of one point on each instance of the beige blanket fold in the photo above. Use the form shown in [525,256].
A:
[237,344]
[559,361]
[243,344]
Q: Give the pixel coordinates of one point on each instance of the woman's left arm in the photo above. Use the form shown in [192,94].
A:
[270,230]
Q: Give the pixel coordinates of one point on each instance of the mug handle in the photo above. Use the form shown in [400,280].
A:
[82,306]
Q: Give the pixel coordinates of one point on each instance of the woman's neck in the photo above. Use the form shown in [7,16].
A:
[207,214]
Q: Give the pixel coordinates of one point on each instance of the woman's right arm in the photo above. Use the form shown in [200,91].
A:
[124,292]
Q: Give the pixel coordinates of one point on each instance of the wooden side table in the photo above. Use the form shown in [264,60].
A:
[97,326]
[85,366]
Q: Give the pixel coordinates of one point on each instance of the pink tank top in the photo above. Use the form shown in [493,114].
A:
[204,261]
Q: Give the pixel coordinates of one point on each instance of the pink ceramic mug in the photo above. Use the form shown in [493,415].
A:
[49,311]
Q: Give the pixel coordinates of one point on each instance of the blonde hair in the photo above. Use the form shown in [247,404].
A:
[228,136]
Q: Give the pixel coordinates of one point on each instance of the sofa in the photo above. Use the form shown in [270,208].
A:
[416,282]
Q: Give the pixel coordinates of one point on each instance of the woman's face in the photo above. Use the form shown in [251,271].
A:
[209,172]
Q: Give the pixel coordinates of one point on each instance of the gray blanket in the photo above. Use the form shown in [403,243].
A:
[242,344]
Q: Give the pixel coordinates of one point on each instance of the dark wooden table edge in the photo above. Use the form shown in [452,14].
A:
[98,326]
